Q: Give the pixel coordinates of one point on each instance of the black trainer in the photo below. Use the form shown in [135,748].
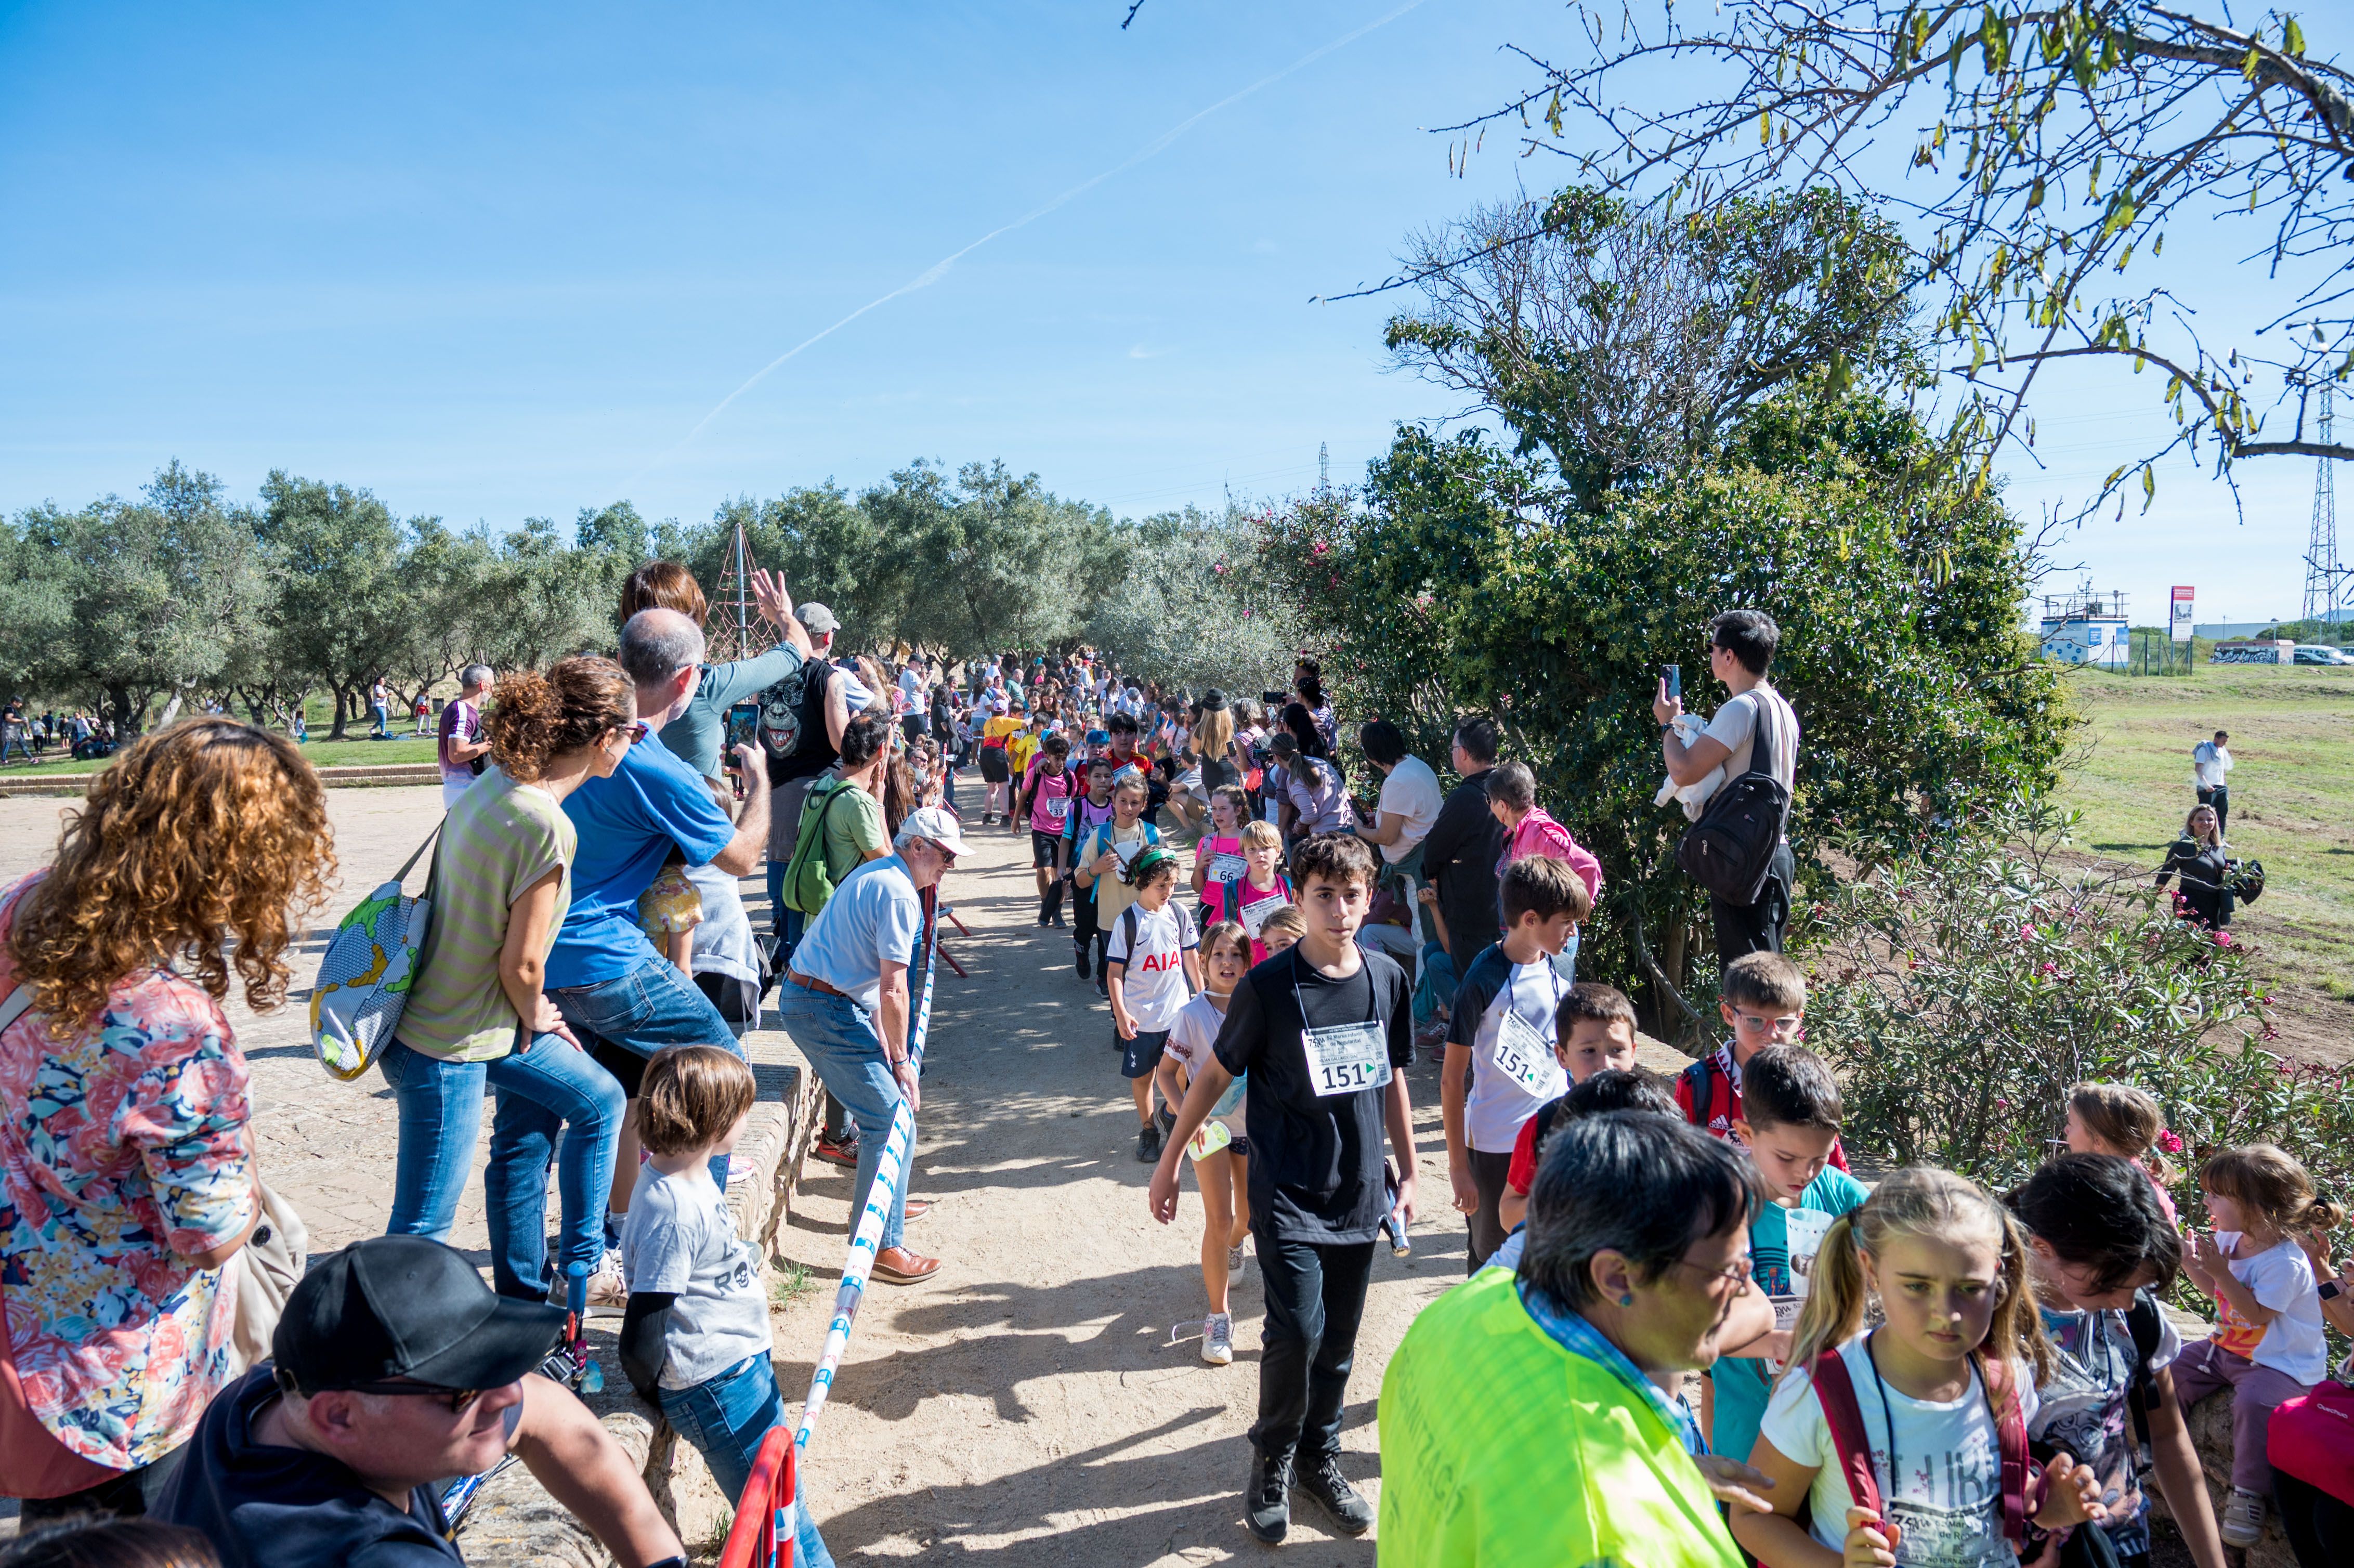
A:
[1267,1505]
[1081,953]
[1148,1144]
[1323,1481]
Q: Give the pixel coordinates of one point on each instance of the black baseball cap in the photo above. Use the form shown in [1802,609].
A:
[407,1306]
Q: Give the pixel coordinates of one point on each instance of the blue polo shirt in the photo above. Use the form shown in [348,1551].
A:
[627,825]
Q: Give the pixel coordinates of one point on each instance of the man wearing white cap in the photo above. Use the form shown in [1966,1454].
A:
[845,1003]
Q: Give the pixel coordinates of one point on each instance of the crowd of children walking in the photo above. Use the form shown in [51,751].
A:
[2017,1389]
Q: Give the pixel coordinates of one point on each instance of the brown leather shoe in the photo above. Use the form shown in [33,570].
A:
[898,1265]
[917,1208]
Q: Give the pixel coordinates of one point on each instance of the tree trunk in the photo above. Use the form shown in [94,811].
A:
[126,719]
[342,712]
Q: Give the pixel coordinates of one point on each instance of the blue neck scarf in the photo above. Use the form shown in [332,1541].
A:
[1579,1338]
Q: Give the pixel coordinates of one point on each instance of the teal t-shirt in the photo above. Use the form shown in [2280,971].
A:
[1741,1385]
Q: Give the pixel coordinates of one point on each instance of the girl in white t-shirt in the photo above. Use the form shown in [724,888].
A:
[1221,1153]
[1960,1342]
[2268,1346]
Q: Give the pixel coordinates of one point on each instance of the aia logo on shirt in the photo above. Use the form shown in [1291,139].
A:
[1160,963]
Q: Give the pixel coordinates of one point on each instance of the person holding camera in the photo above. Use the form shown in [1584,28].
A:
[1741,646]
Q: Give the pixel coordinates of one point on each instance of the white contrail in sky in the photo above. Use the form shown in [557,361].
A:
[940,269]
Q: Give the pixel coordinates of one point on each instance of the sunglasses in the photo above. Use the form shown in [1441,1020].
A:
[634,732]
[459,1400]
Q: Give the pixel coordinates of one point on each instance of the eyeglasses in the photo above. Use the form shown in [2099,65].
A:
[1780,1028]
[459,1400]
[634,732]
[1736,1273]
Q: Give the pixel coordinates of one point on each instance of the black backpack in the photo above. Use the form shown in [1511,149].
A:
[1730,851]
[2244,879]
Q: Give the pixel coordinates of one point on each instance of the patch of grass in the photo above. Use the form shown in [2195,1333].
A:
[362,753]
[2292,791]
[792,1283]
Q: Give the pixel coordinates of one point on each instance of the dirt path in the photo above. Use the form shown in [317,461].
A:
[1027,1406]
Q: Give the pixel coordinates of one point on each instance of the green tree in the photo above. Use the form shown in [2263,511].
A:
[1627,343]
[541,600]
[1471,579]
[1193,605]
[143,598]
[342,613]
[2048,150]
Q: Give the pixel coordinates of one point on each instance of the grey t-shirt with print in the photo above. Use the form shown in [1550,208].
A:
[679,1241]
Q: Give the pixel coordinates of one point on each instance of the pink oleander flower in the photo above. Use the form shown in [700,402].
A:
[2169,1141]
[2222,938]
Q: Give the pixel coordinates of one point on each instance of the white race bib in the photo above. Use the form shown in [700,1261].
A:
[1807,1228]
[1526,1057]
[1256,916]
[1224,867]
[1345,1057]
[1058,809]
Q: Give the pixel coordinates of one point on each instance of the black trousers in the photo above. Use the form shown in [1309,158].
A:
[1756,927]
[1315,1299]
[2220,798]
[2320,1528]
[1488,1230]
[1085,936]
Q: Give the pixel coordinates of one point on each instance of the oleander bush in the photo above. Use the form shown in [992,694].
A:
[1959,991]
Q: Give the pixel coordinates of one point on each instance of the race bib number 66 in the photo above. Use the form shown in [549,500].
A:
[1345,1057]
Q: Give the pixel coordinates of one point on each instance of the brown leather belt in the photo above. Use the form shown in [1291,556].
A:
[810,982]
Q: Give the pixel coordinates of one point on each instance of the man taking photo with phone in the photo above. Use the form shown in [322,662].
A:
[1741,646]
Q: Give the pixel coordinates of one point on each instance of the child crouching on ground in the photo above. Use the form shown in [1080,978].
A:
[1221,1149]
[696,1340]
[2268,1345]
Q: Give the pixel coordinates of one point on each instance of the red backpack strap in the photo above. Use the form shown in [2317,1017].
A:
[1835,1392]
[2022,1482]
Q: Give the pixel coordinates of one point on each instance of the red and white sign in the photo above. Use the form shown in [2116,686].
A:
[2179,626]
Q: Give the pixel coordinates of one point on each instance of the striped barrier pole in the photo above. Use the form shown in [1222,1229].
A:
[897,1151]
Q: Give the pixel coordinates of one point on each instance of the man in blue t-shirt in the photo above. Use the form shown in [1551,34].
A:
[625,1000]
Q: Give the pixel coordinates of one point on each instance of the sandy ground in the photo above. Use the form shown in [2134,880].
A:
[1026,1404]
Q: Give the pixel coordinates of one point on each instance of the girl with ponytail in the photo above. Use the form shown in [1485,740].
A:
[1953,1359]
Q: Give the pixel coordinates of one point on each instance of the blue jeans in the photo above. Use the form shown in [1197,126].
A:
[838,1037]
[726,1419]
[644,1010]
[1436,987]
[546,1087]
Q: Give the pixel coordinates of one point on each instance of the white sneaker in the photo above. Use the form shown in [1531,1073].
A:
[1234,1260]
[1218,1339]
[2243,1515]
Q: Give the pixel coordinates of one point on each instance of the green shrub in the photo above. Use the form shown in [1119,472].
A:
[1958,993]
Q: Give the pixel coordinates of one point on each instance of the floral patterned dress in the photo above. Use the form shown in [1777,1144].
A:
[122,1148]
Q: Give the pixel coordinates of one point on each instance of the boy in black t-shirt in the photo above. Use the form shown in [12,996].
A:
[1325,1030]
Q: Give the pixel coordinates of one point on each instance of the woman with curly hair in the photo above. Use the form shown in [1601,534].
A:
[126,1170]
[478,1017]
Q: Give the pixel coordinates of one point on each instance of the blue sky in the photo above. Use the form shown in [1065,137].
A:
[498,261]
